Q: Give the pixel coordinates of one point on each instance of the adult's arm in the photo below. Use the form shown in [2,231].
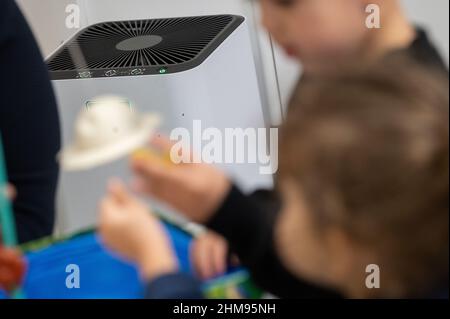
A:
[29,125]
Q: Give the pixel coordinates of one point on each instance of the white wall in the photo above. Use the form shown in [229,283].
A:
[434,16]
[47,19]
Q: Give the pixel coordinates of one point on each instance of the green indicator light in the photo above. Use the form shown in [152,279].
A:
[163,71]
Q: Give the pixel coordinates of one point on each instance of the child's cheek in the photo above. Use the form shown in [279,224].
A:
[289,243]
[298,246]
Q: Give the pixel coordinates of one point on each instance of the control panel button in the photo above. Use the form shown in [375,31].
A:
[137,71]
[111,73]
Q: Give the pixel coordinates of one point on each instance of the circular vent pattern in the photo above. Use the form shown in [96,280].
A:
[143,43]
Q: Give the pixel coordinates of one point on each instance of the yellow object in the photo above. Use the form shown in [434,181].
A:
[149,155]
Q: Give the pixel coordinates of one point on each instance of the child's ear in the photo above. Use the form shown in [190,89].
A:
[380,3]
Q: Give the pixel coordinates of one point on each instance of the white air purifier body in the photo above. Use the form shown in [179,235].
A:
[216,84]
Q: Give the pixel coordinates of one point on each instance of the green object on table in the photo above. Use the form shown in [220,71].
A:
[238,285]
[7,222]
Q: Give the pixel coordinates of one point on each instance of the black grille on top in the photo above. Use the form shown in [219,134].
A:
[141,47]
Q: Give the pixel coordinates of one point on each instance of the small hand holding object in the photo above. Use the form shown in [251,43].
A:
[128,227]
[195,190]
[209,254]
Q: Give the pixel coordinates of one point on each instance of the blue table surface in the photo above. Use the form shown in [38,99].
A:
[102,274]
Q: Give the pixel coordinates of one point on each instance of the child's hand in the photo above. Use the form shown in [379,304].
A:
[128,227]
[210,255]
[12,268]
[196,190]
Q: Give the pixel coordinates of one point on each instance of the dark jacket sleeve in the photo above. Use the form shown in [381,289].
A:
[174,286]
[248,222]
[29,125]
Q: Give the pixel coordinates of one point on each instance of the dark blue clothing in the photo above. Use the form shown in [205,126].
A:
[174,286]
[29,125]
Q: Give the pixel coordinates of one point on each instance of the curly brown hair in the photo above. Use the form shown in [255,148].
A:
[370,150]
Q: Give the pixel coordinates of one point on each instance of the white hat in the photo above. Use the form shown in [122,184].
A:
[106,131]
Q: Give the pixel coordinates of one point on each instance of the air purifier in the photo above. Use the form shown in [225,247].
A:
[186,69]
